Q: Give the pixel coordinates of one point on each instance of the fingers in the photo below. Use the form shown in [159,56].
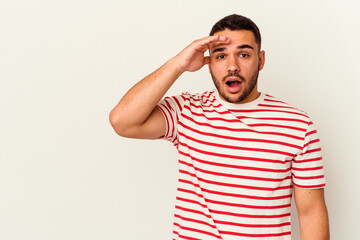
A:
[192,57]
[207,42]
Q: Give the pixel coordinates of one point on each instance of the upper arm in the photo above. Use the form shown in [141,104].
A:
[161,122]
[307,166]
[312,213]
[153,127]
[308,200]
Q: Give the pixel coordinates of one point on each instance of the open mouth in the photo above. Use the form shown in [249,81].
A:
[234,83]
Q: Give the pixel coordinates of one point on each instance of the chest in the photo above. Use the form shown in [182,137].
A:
[250,137]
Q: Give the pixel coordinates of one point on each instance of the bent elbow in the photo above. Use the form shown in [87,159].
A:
[117,123]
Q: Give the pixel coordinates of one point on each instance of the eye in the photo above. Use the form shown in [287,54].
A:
[221,56]
[244,55]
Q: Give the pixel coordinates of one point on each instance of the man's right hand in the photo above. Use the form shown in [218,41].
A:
[192,57]
[136,115]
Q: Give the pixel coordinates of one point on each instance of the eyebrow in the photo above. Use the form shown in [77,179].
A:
[238,47]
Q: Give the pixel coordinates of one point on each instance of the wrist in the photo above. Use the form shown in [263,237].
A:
[173,64]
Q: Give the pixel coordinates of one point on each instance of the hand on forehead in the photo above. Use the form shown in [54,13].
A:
[222,40]
[236,39]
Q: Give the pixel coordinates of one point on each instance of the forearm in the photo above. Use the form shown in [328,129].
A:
[315,226]
[313,215]
[138,103]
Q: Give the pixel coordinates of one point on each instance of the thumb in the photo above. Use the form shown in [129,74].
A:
[206,60]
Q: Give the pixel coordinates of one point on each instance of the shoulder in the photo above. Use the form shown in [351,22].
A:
[203,98]
[198,100]
[274,104]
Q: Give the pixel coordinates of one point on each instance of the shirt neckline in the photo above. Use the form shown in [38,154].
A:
[251,104]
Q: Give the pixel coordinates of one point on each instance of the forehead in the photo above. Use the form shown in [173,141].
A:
[237,37]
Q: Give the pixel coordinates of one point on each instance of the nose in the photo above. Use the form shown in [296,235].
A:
[233,64]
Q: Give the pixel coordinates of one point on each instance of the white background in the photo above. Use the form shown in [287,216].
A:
[64,173]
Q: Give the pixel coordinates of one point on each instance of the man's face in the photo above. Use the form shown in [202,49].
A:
[235,67]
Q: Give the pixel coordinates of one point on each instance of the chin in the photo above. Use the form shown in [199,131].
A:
[233,98]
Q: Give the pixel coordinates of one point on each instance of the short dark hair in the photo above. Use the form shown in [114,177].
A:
[237,22]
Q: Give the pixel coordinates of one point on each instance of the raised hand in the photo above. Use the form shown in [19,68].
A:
[136,115]
[192,57]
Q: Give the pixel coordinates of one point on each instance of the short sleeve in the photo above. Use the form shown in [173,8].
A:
[307,166]
[171,108]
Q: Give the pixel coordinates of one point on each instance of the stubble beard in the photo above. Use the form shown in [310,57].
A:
[247,88]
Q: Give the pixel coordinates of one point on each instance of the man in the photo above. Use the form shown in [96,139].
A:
[242,153]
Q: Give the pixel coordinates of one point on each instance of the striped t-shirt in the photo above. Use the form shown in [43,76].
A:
[238,164]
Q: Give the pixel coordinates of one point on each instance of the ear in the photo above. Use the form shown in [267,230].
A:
[261,60]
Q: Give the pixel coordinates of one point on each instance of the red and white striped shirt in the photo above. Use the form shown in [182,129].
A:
[238,164]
